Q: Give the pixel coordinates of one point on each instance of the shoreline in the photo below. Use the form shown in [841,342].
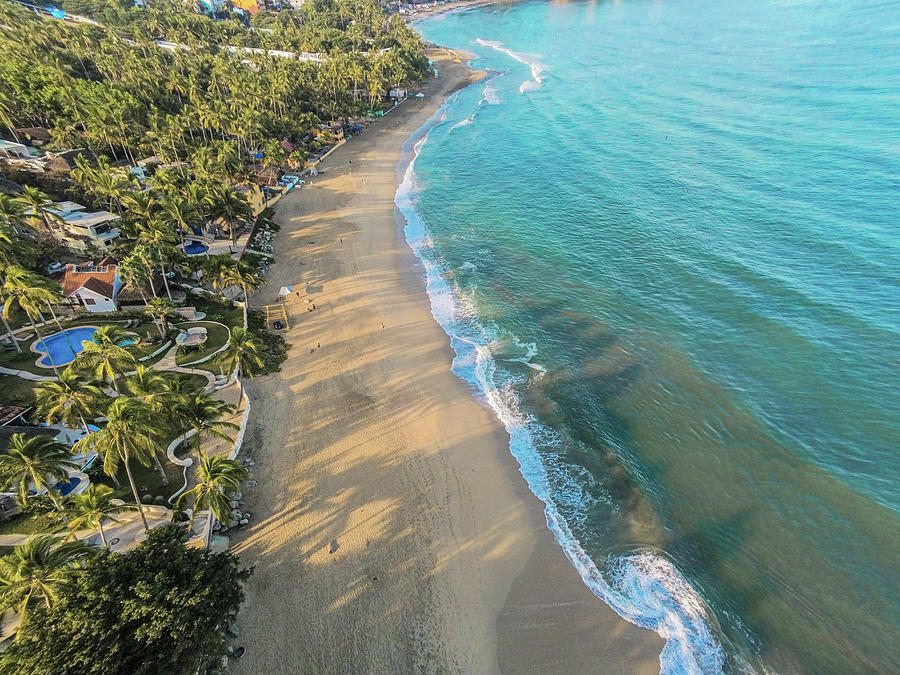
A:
[392,529]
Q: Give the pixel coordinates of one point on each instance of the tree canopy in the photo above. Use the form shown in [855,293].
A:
[159,608]
[109,87]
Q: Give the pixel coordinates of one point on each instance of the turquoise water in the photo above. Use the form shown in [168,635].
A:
[62,348]
[664,240]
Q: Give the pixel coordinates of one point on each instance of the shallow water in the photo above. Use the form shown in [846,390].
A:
[663,238]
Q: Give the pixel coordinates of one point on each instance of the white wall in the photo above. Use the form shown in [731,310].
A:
[100,303]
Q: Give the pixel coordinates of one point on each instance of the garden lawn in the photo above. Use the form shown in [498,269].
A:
[24,361]
[31,523]
[16,391]
[217,336]
[147,480]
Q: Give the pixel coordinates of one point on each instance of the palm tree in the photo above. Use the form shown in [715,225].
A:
[37,569]
[149,387]
[133,272]
[10,216]
[181,214]
[244,276]
[215,269]
[201,412]
[70,399]
[12,212]
[92,507]
[40,206]
[146,256]
[160,240]
[104,184]
[232,207]
[37,463]
[30,292]
[104,356]
[125,436]
[161,309]
[215,477]
[242,354]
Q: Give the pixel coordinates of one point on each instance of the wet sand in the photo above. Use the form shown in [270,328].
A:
[392,531]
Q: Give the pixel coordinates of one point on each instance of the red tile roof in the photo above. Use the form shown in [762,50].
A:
[100,279]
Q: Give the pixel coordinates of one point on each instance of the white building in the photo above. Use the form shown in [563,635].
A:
[94,286]
[79,228]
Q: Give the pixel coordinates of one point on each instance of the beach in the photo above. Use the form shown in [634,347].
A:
[391,530]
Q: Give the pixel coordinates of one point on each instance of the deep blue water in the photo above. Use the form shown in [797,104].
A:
[663,237]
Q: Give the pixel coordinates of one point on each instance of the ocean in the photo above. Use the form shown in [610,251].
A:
[663,239]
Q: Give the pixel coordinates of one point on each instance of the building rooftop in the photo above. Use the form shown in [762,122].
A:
[98,278]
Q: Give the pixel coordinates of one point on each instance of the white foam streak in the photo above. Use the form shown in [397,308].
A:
[644,588]
[531,61]
[489,95]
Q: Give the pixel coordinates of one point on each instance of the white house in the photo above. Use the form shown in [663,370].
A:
[94,286]
[79,228]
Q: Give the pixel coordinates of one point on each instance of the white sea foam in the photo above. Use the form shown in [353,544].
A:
[644,587]
[529,60]
[489,95]
[464,123]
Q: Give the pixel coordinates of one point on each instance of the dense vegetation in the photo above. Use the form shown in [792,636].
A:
[160,608]
[211,116]
[110,88]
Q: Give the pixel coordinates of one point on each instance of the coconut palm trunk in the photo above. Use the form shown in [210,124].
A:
[165,280]
[53,314]
[102,533]
[134,492]
[41,339]
[246,303]
[162,472]
[10,333]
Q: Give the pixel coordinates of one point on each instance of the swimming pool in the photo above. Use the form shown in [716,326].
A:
[195,248]
[65,488]
[61,348]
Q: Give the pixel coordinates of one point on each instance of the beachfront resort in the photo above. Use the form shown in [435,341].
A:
[138,186]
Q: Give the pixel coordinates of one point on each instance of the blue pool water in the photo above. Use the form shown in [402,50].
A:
[62,348]
[664,238]
[65,488]
[195,248]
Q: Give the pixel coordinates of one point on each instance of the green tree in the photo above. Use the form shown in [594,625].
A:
[216,477]
[201,412]
[216,269]
[161,241]
[133,272]
[162,310]
[37,463]
[30,292]
[71,400]
[242,355]
[36,571]
[232,208]
[241,274]
[159,608]
[126,436]
[39,205]
[92,507]
[103,356]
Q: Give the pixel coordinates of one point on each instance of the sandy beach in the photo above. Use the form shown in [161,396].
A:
[392,531]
